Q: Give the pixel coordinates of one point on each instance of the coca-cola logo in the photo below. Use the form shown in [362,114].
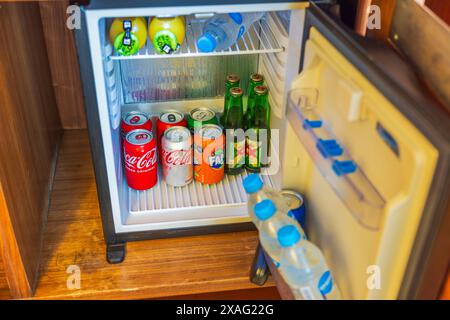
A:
[144,162]
[177,157]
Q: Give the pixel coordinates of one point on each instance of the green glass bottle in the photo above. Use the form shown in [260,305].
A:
[235,139]
[232,82]
[256,79]
[258,132]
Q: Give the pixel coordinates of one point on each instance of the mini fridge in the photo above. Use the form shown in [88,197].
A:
[355,134]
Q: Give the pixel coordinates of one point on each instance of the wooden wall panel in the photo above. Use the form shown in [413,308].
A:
[4,289]
[446,290]
[441,8]
[387,8]
[30,131]
[427,46]
[63,64]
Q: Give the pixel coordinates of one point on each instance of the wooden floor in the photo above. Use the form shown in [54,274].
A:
[4,289]
[152,269]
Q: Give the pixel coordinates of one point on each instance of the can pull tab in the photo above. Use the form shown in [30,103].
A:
[126,41]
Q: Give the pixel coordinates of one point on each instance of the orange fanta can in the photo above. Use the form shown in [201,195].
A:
[209,154]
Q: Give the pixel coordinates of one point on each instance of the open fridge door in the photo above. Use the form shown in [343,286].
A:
[368,150]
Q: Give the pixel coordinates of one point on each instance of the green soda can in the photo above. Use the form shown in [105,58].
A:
[198,117]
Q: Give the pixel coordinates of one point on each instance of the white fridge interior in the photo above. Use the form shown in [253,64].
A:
[358,222]
[183,81]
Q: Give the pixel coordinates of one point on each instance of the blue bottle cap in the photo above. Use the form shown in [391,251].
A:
[288,236]
[206,43]
[253,183]
[265,209]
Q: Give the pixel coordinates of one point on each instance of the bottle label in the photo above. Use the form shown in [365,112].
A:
[126,45]
[236,158]
[165,42]
[253,153]
[325,284]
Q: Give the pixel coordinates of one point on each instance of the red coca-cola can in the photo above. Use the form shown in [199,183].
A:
[141,167]
[166,120]
[135,120]
[176,160]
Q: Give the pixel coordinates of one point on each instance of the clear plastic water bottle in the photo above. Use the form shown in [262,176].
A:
[223,30]
[271,221]
[303,267]
[257,192]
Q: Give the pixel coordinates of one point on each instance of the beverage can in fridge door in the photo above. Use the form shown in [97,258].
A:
[135,120]
[176,157]
[209,154]
[139,152]
[167,34]
[166,120]
[199,117]
[296,205]
[128,35]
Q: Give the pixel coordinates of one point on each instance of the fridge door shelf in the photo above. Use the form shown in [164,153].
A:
[333,160]
[164,203]
[260,38]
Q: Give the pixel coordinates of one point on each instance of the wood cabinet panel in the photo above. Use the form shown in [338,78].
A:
[446,290]
[64,67]
[387,8]
[30,131]
[441,8]
[4,289]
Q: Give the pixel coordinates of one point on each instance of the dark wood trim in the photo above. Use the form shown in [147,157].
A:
[30,132]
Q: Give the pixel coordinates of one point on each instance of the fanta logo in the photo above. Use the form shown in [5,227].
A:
[177,157]
[216,161]
[146,161]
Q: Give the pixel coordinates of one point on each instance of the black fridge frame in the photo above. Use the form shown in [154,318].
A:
[427,267]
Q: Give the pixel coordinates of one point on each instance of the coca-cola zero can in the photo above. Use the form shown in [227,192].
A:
[139,150]
[166,120]
[135,120]
[177,156]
